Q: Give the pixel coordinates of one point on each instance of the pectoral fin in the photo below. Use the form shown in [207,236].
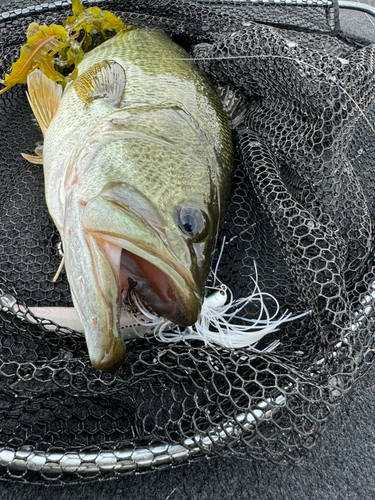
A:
[44,96]
[104,80]
[233,103]
[38,160]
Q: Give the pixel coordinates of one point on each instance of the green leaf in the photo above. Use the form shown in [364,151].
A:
[74,54]
[94,20]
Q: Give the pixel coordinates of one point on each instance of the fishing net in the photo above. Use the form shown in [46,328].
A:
[301,208]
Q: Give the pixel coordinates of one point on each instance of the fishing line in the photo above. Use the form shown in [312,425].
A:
[268,56]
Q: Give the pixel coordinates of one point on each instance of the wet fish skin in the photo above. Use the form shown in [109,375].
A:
[138,136]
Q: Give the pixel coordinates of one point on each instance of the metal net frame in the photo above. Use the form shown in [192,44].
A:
[301,208]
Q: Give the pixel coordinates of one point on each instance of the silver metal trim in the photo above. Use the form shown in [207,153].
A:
[343,4]
[60,4]
[363,7]
[53,464]
[293,3]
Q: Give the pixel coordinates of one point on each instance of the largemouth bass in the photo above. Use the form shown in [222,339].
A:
[137,159]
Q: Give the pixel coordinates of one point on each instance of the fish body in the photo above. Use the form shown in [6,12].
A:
[137,162]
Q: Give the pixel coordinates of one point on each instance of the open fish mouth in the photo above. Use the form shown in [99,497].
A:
[155,289]
[115,247]
[119,269]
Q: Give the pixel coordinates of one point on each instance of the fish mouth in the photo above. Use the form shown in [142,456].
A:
[132,236]
[119,245]
[157,289]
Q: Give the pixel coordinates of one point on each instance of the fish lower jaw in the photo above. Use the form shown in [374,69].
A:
[112,360]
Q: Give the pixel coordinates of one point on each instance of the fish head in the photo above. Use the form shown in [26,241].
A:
[146,210]
[159,242]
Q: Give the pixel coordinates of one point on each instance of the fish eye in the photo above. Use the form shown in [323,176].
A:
[191,221]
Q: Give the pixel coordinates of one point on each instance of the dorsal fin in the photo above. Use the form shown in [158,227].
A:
[233,103]
[104,80]
[44,96]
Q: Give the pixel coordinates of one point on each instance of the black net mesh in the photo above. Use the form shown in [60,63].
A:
[301,207]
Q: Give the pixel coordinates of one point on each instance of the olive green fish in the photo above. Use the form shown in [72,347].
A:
[137,160]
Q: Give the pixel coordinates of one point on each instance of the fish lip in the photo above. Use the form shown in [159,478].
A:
[188,298]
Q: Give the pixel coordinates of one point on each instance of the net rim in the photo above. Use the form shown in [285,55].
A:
[61,4]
